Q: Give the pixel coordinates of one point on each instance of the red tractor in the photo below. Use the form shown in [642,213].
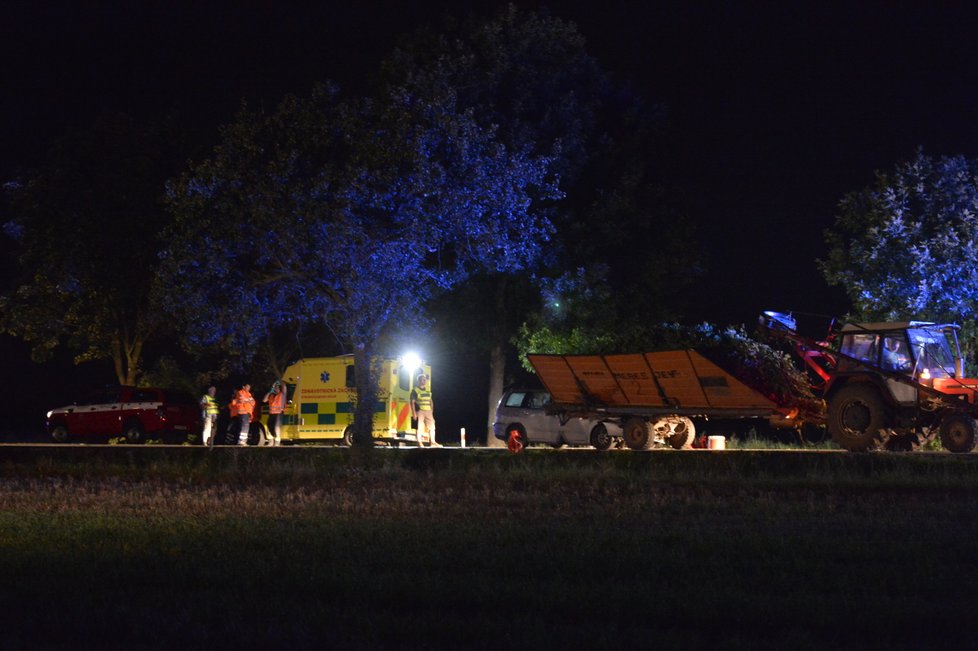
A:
[889,385]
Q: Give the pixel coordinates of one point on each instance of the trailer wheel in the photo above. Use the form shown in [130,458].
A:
[903,441]
[683,434]
[959,433]
[637,433]
[856,417]
[600,439]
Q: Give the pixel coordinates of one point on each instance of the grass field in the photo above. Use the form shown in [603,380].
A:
[183,547]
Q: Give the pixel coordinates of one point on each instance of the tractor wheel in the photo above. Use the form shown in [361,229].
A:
[959,433]
[637,433]
[856,417]
[600,439]
[132,432]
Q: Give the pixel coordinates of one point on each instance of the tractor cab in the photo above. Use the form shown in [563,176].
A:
[920,350]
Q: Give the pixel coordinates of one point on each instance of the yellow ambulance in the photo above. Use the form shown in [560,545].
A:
[322,392]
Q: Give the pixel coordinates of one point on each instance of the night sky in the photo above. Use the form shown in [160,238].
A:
[779,108]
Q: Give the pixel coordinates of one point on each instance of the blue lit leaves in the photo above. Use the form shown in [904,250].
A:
[906,246]
[350,213]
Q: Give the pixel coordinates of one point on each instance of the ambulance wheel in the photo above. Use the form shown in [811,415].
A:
[59,434]
[132,432]
[600,439]
[348,437]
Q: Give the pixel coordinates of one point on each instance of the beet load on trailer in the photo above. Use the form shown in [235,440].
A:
[893,385]
[651,396]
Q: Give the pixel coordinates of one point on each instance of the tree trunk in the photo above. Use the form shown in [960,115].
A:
[363,413]
[497,371]
[497,359]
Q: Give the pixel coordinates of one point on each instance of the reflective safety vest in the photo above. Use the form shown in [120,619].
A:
[276,402]
[209,403]
[423,397]
[243,403]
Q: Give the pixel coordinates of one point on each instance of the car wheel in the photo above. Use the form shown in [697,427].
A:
[59,434]
[520,433]
[600,439]
[348,437]
[133,432]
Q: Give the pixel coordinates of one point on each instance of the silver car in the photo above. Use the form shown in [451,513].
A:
[524,410]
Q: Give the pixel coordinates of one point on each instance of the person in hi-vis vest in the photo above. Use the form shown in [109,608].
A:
[423,409]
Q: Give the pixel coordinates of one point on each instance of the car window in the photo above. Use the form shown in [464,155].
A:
[142,395]
[179,398]
[539,400]
[100,397]
[515,399]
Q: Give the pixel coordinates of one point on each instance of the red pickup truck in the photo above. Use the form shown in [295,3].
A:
[132,413]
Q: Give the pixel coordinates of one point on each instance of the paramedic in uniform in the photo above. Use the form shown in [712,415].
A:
[422,408]
[209,410]
[241,407]
[276,405]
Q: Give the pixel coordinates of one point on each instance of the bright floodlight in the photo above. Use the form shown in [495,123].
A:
[411,361]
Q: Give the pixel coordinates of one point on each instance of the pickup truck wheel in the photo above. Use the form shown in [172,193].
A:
[637,433]
[59,434]
[959,433]
[133,432]
[600,439]
[856,417]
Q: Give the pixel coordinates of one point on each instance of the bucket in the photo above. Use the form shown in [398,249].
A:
[716,443]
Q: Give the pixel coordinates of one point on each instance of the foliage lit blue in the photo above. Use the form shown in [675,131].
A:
[908,246]
[349,213]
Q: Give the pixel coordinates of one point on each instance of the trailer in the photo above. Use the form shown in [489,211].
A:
[652,396]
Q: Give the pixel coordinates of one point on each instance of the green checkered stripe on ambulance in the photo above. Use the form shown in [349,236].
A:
[324,413]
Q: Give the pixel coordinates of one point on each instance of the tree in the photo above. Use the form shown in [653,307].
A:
[87,227]
[351,213]
[907,246]
[530,76]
